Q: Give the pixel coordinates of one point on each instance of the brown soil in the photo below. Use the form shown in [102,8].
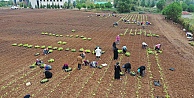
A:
[25,26]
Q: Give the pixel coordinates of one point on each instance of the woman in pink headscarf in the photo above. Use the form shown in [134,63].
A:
[157,47]
[117,39]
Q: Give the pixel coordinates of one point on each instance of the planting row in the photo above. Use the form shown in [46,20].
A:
[70,36]
[133,18]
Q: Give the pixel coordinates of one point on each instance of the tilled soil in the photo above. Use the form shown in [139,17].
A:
[25,26]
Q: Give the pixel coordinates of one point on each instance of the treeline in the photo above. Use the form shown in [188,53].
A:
[6,3]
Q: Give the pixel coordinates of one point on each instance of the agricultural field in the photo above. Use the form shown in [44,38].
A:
[24,33]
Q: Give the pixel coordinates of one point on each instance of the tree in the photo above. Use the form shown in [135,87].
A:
[108,5]
[68,4]
[143,3]
[102,6]
[48,6]
[97,6]
[53,6]
[41,6]
[84,5]
[65,5]
[188,2]
[124,6]
[92,6]
[184,6]
[88,2]
[25,6]
[58,6]
[79,6]
[173,11]
[81,1]
[152,4]
[116,2]
[160,5]
[30,5]
[148,3]
[74,4]
[191,8]
[21,4]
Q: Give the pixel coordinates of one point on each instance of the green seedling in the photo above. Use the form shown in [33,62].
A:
[59,42]
[89,39]
[20,45]
[73,50]
[42,47]
[15,44]
[84,38]
[60,48]
[81,49]
[36,46]
[64,43]
[67,49]
[55,48]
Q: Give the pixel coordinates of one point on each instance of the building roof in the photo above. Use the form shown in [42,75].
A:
[100,2]
[4,0]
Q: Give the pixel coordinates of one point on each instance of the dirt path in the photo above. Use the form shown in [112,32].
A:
[181,54]
[174,36]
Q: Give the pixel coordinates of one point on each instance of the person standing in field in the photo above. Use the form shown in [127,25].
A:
[79,61]
[114,46]
[117,39]
[115,54]
[117,71]
[157,47]
[98,52]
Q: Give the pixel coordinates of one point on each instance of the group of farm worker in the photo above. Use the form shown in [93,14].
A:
[47,67]
[127,66]
[81,59]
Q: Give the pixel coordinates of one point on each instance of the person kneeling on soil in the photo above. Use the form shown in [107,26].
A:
[115,24]
[93,64]
[127,67]
[157,47]
[65,66]
[144,45]
[124,49]
[141,70]
[38,62]
[47,67]
[46,51]
[86,62]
